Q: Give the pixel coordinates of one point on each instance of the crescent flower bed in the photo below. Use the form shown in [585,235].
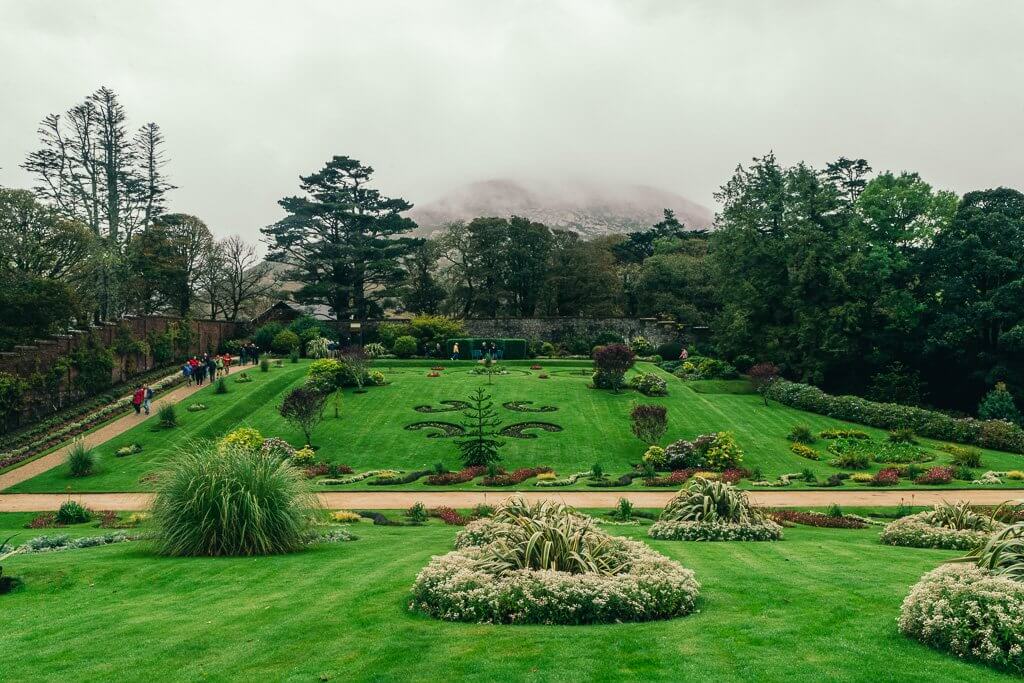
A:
[708,510]
[947,526]
[546,564]
[513,478]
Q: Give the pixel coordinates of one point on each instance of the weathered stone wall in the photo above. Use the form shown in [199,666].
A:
[562,329]
[27,359]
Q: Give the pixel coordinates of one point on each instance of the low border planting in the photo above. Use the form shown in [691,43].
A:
[998,434]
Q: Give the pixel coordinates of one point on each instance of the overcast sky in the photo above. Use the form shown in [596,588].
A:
[435,94]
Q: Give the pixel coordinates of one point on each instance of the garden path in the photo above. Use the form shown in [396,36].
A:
[397,500]
[94,438]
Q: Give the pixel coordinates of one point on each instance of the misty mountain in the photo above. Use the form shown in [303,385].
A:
[589,208]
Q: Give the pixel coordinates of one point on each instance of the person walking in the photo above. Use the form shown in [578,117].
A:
[219,362]
[227,363]
[683,355]
[243,354]
[254,353]
[137,398]
[147,398]
[200,373]
[186,372]
[455,351]
[211,367]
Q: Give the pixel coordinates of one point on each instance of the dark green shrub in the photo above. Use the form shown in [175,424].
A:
[417,514]
[71,512]
[294,356]
[265,365]
[998,405]
[405,346]
[903,435]
[222,386]
[285,341]
[965,457]
[167,415]
[231,501]
[264,337]
[801,434]
[80,460]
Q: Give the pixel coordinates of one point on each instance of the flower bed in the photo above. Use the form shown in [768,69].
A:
[708,510]
[449,516]
[997,434]
[818,519]
[919,531]
[609,579]
[518,430]
[765,530]
[676,478]
[527,407]
[460,477]
[969,612]
[514,478]
[446,407]
[936,475]
[567,481]
[444,429]
[400,479]
[358,477]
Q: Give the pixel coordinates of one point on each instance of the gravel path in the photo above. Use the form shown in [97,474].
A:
[95,438]
[395,500]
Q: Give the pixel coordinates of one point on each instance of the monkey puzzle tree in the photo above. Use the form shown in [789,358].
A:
[479,447]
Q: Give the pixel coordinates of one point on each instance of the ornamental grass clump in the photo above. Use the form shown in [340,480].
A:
[710,510]
[231,500]
[81,460]
[547,564]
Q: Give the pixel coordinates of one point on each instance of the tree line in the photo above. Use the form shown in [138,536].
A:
[93,239]
[870,283]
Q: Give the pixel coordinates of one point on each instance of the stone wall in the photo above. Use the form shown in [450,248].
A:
[561,329]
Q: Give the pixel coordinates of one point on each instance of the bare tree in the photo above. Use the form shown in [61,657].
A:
[246,278]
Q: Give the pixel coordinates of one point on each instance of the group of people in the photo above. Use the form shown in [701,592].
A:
[198,370]
[249,353]
[142,398]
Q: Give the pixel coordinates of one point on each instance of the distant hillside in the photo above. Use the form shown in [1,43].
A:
[591,209]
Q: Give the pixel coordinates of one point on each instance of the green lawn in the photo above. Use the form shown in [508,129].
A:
[819,605]
[370,434]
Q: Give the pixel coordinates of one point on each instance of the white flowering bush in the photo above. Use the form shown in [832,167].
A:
[709,510]
[763,530]
[923,530]
[547,564]
[969,612]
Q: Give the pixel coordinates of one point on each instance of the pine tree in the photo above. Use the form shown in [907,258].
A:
[998,405]
[480,445]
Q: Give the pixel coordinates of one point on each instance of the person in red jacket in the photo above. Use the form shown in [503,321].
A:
[137,398]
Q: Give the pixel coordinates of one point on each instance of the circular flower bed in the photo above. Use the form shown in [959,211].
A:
[951,527]
[969,611]
[708,510]
[575,574]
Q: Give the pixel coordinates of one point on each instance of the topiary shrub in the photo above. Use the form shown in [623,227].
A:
[231,501]
[547,564]
[709,510]
[80,460]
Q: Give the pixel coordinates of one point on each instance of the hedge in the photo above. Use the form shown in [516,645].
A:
[511,349]
[997,434]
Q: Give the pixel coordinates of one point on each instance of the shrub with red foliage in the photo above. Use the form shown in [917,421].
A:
[513,478]
[433,374]
[888,476]
[676,478]
[936,475]
[817,519]
[535,367]
[460,477]
[43,520]
[733,475]
[649,422]
[109,520]
[449,516]
[611,363]
[317,470]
